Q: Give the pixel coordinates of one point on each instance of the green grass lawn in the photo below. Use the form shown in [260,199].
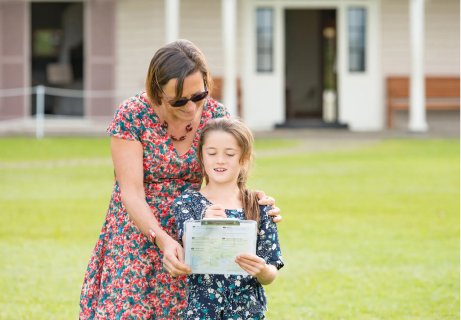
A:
[367,234]
[48,149]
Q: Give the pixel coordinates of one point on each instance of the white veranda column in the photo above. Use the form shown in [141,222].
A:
[171,20]
[417,78]
[229,25]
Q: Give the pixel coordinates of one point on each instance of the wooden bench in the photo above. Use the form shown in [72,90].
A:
[442,93]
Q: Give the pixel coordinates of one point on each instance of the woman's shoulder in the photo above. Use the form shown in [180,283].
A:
[128,122]
[215,109]
[134,105]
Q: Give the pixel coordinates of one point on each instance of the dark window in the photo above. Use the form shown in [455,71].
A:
[357,33]
[265,39]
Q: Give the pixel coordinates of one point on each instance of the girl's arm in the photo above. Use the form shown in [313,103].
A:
[268,258]
[127,157]
[257,267]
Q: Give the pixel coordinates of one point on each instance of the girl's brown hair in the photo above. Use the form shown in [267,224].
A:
[245,140]
[176,60]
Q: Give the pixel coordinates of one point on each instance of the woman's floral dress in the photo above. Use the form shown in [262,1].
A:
[215,296]
[125,278]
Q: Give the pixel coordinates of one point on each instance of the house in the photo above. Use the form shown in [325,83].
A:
[282,56]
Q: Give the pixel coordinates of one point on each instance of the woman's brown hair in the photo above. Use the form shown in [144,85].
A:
[245,141]
[176,60]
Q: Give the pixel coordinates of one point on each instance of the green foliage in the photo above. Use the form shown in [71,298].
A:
[368,234]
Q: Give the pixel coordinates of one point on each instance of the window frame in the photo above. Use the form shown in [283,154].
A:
[261,32]
[357,39]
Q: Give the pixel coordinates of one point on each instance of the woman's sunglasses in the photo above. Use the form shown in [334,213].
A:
[182,102]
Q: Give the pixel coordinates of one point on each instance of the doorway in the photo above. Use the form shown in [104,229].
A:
[57,53]
[310,61]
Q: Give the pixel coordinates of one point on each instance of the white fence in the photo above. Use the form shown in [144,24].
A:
[40,92]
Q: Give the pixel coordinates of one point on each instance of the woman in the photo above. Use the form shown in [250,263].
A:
[154,138]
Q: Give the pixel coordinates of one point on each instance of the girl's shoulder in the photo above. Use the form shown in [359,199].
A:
[189,197]
[191,194]
[263,214]
[265,209]
[190,205]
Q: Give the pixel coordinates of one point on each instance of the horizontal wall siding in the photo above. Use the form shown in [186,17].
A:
[140,33]
[201,24]
[442,37]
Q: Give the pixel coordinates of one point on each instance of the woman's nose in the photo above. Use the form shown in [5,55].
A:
[190,106]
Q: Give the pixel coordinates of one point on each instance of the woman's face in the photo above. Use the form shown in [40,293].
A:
[193,85]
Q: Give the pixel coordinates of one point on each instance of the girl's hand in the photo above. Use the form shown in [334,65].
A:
[254,265]
[215,211]
[173,258]
[268,201]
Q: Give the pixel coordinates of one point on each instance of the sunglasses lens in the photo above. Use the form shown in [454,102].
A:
[196,98]
[199,97]
[180,103]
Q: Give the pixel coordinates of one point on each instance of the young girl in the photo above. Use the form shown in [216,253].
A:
[225,153]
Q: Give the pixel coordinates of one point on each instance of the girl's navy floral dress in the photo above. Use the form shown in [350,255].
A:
[212,296]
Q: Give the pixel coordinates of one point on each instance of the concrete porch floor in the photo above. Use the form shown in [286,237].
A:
[442,124]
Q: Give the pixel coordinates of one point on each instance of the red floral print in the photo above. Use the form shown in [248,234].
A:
[125,278]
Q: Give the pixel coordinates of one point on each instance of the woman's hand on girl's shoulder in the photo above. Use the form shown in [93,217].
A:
[269,201]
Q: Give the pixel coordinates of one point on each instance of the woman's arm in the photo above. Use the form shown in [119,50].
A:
[257,267]
[127,158]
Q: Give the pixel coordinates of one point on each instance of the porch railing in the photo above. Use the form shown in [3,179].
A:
[40,92]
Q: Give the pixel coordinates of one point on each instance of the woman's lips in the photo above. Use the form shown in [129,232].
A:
[220,170]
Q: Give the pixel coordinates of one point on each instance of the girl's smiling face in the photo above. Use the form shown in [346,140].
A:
[221,157]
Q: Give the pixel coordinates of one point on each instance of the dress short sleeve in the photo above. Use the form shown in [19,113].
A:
[222,112]
[268,246]
[183,210]
[218,110]
[126,123]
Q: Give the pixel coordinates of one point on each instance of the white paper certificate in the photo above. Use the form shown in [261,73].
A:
[212,249]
